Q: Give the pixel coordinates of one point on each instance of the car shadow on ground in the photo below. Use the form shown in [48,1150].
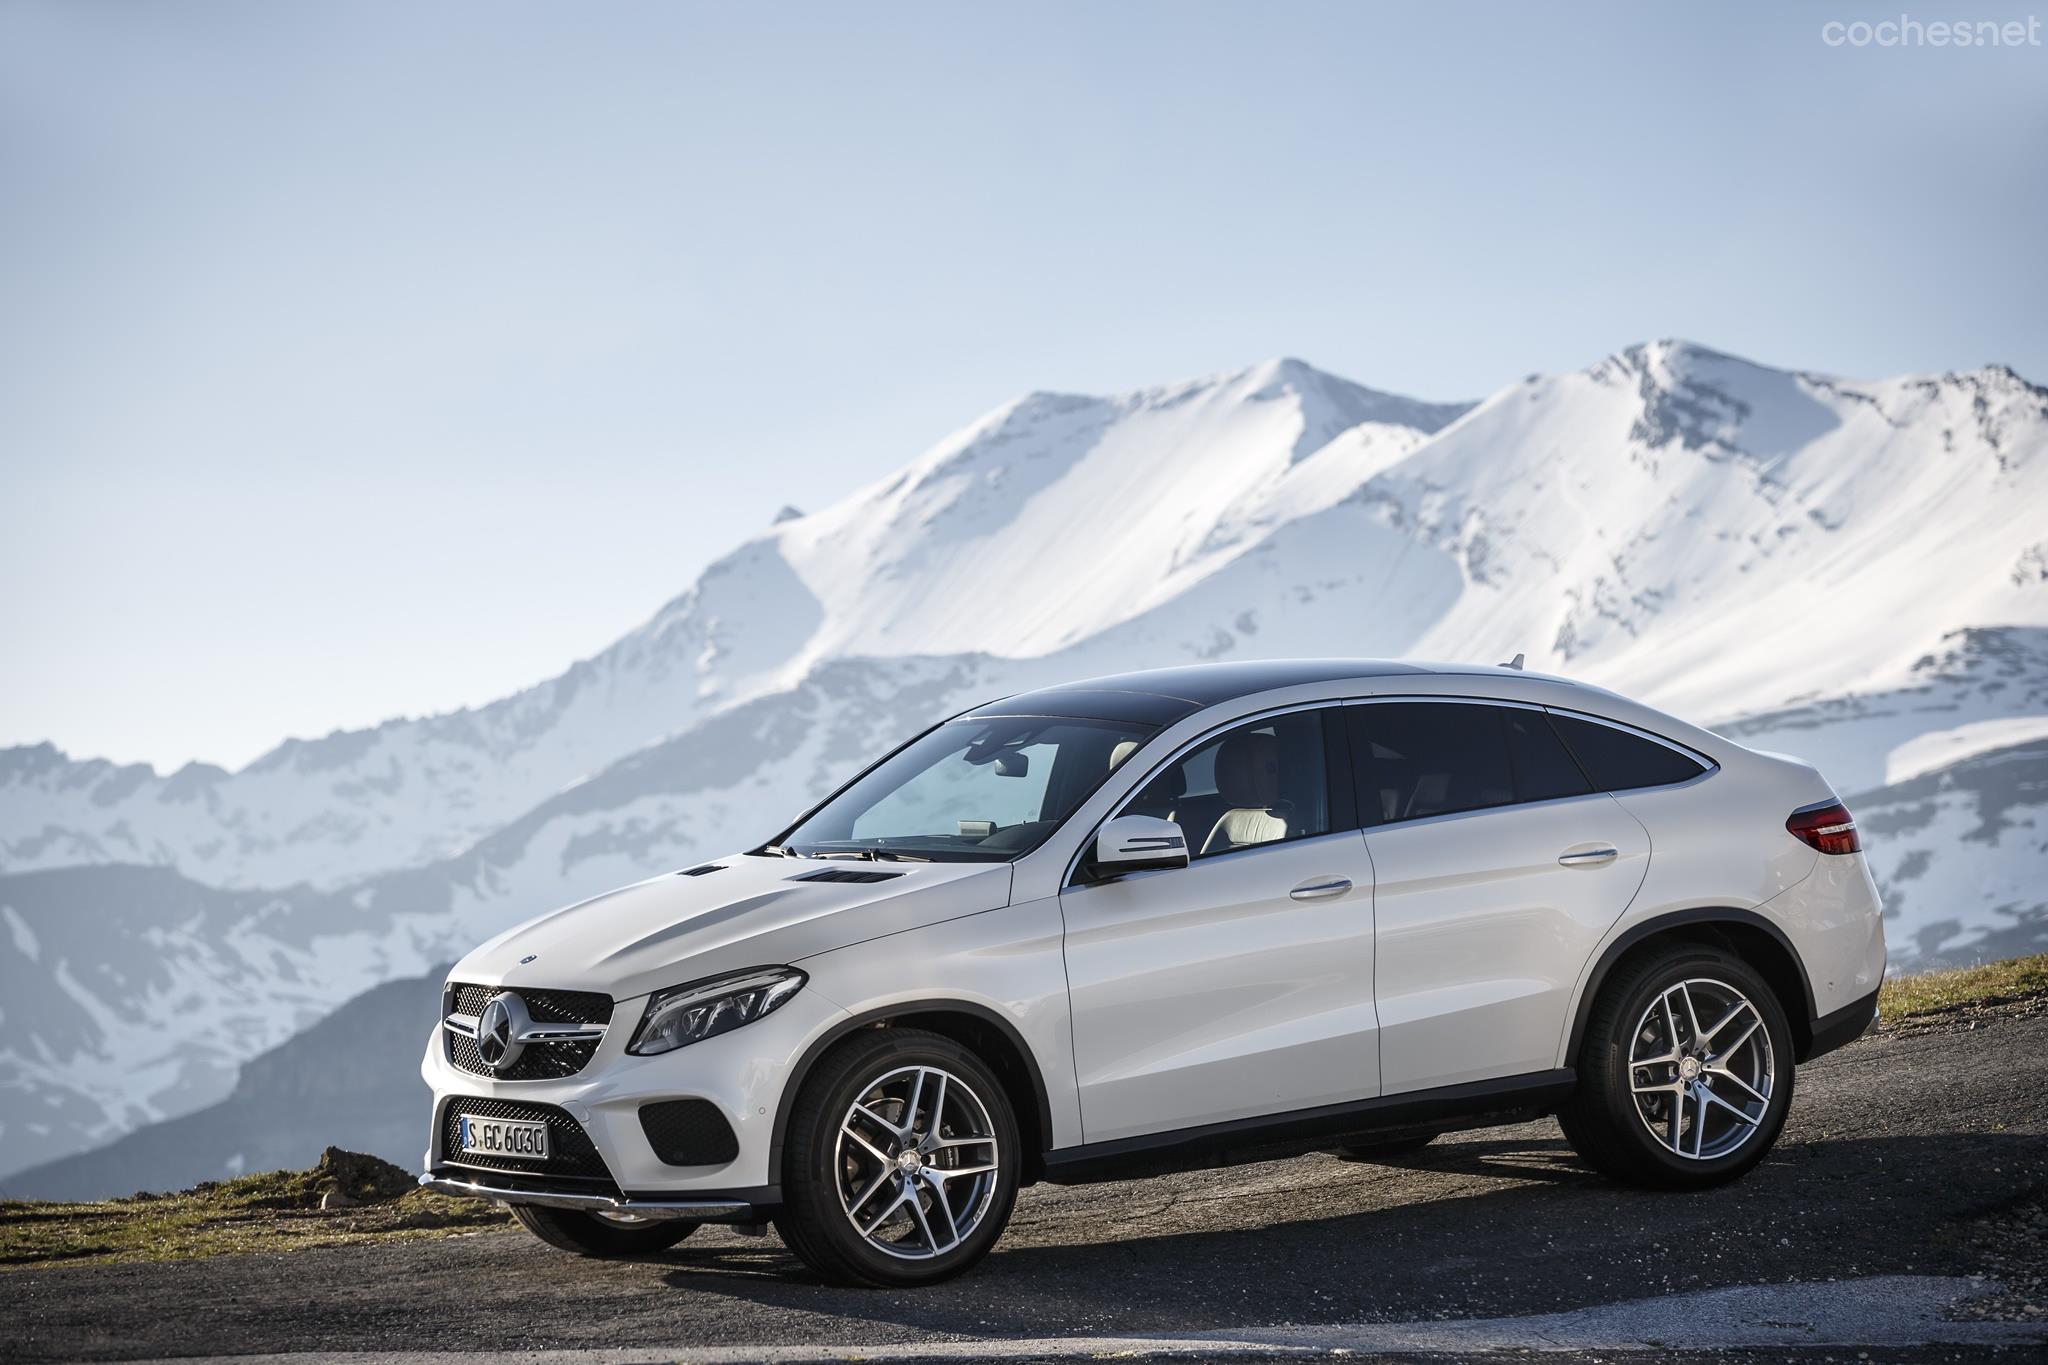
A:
[1464,1228]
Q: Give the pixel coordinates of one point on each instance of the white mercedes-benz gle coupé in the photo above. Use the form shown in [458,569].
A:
[1171,919]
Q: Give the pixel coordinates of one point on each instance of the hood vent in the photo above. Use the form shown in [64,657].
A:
[700,871]
[847,874]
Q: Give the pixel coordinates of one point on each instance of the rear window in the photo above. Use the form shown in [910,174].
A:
[1619,761]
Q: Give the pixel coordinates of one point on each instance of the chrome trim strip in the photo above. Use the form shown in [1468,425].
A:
[563,1033]
[465,1024]
[699,1210]
[1398,698]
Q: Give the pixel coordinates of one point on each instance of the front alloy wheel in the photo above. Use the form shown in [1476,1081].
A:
[901,1161]
[918,1160]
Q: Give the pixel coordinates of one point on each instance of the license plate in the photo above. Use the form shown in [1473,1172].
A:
[503,1137]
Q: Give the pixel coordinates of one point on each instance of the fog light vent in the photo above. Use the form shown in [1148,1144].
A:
[689,1133]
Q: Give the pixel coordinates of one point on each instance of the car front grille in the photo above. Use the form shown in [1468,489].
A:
[540,1061]
[571,1153]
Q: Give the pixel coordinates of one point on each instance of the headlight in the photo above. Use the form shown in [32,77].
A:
[704,1009]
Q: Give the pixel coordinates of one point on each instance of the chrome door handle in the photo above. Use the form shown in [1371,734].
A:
[1322,890]
[1588,857]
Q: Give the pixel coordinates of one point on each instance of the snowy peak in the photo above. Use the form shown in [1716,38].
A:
[1329,406]
[1702,400]
[1777,515]
[1059,515]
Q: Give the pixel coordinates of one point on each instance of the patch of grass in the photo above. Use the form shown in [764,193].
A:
[1994,983]
[366,1200]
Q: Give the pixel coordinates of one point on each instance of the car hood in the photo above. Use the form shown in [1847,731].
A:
[749,912]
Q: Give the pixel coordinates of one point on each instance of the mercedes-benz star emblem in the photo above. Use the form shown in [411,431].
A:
[500,1031]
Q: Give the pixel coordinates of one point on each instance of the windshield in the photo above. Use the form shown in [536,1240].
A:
[985,790]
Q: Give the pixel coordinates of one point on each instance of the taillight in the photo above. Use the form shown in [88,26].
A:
[1829,828]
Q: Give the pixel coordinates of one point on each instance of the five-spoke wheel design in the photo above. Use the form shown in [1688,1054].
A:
[1685,1074]
[917,1160]
[1701,1069]
[902,1161]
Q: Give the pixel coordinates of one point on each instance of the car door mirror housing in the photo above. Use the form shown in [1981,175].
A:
[1139,843]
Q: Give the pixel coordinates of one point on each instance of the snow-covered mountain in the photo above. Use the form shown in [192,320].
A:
[1854,571]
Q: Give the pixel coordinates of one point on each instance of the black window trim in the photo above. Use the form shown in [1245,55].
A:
[1338,779]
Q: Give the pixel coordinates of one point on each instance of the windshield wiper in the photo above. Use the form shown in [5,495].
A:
[874,855]
[778,851]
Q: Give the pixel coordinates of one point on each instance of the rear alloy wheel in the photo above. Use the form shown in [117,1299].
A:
[1686,1073]
[601,1234]
[902,1161]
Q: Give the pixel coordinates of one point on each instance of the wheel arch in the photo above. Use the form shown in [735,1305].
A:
[975,1027]
[1754,938]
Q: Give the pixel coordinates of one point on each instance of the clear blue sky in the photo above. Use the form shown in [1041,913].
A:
[363,359]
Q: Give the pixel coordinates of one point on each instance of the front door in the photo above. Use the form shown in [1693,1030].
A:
[1241,985]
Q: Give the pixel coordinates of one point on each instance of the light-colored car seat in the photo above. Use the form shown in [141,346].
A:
[1248,778]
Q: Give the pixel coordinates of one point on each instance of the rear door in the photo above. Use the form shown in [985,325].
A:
[1497,869]
[1241,985]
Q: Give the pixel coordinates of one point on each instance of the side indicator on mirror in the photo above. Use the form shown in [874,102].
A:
[1139,843]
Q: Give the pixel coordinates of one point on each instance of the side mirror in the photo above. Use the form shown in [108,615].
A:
[1139,843]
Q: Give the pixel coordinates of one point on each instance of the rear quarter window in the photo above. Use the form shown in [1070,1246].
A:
[1619,761]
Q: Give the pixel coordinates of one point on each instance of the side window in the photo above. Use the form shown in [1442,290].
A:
[1619,761]
[1428,758]
[1262,783]
[1415,759]
[1544,768]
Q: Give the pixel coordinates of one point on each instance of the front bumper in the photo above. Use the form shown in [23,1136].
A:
[741,1073]
[481,1185]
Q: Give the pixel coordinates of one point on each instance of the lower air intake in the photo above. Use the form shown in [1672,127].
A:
[689,1133]
[572,1155]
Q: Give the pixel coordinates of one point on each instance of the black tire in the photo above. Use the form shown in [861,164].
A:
[1602,1121]
[1389,1147]
[813,1219]
[588,1235]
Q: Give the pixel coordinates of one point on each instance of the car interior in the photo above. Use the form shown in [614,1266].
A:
[1259,784]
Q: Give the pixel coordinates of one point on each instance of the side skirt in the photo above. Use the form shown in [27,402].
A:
[1476,1104]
